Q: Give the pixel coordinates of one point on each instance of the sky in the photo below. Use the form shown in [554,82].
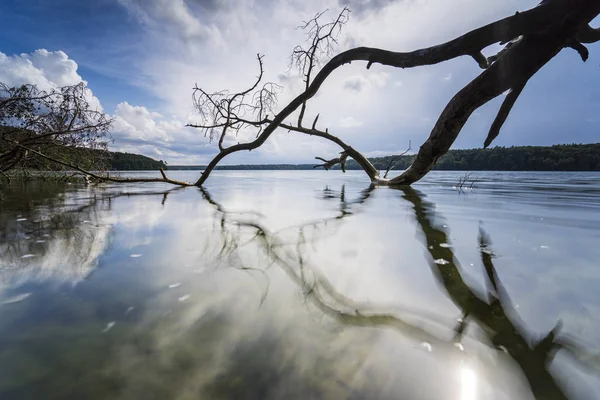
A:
[141,59]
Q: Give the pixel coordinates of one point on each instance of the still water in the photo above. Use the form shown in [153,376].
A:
[302,285]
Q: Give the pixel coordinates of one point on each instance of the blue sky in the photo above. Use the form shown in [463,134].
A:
[141,59]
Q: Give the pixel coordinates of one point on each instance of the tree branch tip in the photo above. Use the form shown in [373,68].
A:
[315,121]
[583,51]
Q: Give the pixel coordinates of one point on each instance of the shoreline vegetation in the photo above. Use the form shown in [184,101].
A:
[569,157]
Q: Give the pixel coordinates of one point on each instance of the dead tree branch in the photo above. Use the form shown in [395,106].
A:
[215,108]
[365,164]
[393,160]
[587,34]
[463,180]
[222,112]
[328,164]
[107,177]
[505,109]
[533,38]
[322,39]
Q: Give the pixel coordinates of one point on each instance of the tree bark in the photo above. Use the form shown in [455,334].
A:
[512,70]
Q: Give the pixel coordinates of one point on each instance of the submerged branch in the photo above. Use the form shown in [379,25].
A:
[327,164]
[101,178]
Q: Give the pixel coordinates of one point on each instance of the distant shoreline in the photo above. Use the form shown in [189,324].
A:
[569,157]
[227,168]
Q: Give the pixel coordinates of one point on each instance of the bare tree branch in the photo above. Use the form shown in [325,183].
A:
[101,178]
[543,32]
[322,38]
[222,111]
[393,160]
[584,53]
[505,109]
[365,164]
[587,34]
[327,164]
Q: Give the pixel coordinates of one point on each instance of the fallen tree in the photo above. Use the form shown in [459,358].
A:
[531,38]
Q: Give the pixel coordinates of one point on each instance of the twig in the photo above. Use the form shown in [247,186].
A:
[395,158]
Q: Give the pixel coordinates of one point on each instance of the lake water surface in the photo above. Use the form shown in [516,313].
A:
[302,285]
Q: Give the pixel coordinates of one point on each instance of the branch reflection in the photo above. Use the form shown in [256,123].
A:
[58,233]
[490,307]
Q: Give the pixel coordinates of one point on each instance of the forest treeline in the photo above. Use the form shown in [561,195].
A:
[570,157]
[99,159]
[117,161]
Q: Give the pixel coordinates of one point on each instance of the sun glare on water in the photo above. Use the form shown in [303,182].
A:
[468,384]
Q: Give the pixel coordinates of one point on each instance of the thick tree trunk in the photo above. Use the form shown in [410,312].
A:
[512,70]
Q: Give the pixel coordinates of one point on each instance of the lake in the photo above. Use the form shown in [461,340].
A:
[302,285]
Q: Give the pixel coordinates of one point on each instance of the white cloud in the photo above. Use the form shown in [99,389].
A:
[174,15]
[46,69]
[359,83]
[136,129]
[379,79]
[56,65]
[136,122]
[139,130]
[349,122]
